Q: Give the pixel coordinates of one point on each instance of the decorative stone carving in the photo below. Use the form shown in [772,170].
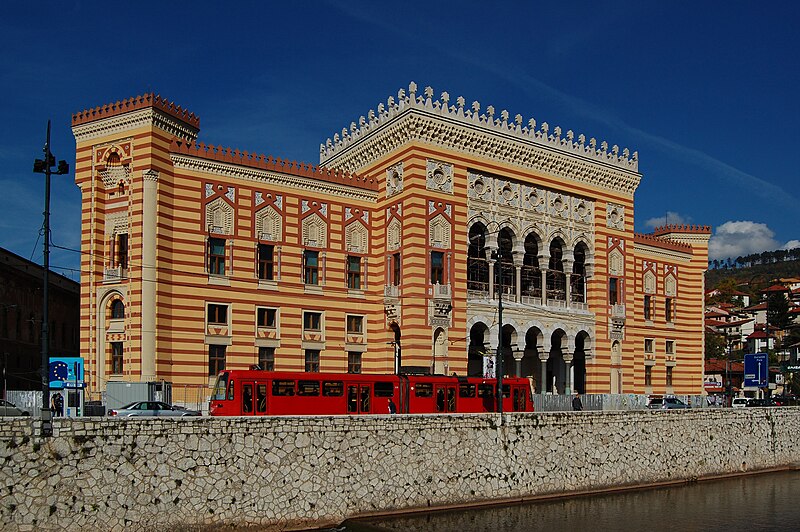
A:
[616,263]
[269,224]
[439,176]
[356,238]
[394,179]
[615,216]
[219,217]
[393,235]
[315,231]
[670,286]
[649,283]
[439,230]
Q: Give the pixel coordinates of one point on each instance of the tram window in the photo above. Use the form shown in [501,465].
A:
[506,390]
[352,399]
[230,391]
[423,389]
[466,389]
[440,400]
[365,399]
[307,387]
[485,390]
[283,388]
[219,387]
[384,389]
[261,398]
[519,400]
[451,399]
[247,398]
[333,388]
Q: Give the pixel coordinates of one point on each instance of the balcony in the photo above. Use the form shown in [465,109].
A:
[391,291]
[441,291]
[618,311]
[114,275]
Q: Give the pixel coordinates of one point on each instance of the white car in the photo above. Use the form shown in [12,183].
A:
[739,402]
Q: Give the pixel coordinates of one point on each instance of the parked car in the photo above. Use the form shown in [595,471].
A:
[9,409]
[739,402]
[666,403]
[761,402]
[153,409]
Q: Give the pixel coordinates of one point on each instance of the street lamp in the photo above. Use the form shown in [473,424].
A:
[45,166]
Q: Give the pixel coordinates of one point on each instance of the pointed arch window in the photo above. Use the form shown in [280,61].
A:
[477,265]
[578,278]
[556,280]
[531,277]
[504,271]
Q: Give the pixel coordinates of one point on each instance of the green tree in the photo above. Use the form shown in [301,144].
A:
[715,346]
[778,311]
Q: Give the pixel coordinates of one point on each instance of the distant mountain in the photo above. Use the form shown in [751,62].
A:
[759,274]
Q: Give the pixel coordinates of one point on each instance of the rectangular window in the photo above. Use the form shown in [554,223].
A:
[423,389]
[312,321]
[311,267]
[216,359]
[116,358]
[669,376]
[307,387]
[217,314]
[312,361]
[613,291]
[668,310]
[437,267]
[648,301]
[216,256]
[266,358]
[283,388]
[354,273]
[333,388]
[466,389]
[384,389]
[396,269]
[266,263]
[355,324]
[122,250]
[670,347]
[353,362]
[486,390]
[648,375]
[266,317]
[648,345]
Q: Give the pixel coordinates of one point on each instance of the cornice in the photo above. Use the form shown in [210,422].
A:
[662,252]
[121,123]
[234,171]
[454,128]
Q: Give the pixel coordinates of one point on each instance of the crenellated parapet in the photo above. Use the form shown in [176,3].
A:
[134,104]
[455,126]
[659,242]
[269,163]
[682,228]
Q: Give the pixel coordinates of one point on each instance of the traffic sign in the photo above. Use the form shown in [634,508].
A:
[756,370]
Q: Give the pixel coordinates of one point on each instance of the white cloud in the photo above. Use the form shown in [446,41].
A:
[670,217]
[740,238]
[791,244]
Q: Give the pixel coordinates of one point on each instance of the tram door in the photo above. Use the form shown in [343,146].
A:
[359,398]
[261,398]
[445,398]
[247,398]
[520,395]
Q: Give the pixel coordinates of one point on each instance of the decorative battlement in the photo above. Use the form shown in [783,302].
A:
[682,228]
[134,104]
[657,241]
[243,158]
[553,139]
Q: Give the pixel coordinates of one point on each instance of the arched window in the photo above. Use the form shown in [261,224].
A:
[477,266]
[117,309]
[504,274]
[578,279]
[556,282]
[531,275]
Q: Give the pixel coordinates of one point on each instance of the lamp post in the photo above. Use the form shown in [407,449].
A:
[45,166]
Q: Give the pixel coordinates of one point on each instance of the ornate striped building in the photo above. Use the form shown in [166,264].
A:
[420,222]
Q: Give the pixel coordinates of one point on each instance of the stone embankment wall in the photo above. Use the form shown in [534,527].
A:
[104,474]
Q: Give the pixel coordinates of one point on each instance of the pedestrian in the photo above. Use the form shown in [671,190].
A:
[577,405]
[58,403]
[392,407]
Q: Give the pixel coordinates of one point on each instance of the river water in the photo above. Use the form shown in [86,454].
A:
[769,501]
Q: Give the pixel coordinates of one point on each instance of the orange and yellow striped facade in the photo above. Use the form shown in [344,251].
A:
[396,248]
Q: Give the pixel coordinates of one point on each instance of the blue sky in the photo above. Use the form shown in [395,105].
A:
[705,91]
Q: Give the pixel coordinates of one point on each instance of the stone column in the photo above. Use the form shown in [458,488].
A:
[518,272]
[543,357]
[148,302]
[518,354]
[567,281]
[568,382]
[491,278]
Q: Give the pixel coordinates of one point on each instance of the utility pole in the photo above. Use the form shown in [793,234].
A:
[45,167]
[499,363]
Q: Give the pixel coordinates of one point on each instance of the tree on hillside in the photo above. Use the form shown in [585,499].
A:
[715,345]
[778,311]
[726,288]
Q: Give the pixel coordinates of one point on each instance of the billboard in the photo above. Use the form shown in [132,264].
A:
[756,370]
[66,372]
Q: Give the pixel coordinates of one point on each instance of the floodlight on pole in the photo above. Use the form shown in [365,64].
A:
[45,166]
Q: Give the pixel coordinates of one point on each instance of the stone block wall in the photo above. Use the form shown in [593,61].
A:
[295,472]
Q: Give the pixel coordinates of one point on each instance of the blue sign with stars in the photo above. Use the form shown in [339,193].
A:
[66,372]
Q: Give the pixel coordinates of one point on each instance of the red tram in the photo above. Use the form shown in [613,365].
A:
[270,393]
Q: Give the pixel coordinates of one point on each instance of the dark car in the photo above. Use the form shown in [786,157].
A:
[666,403]
[9,409]
[761,402]
[151,409]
